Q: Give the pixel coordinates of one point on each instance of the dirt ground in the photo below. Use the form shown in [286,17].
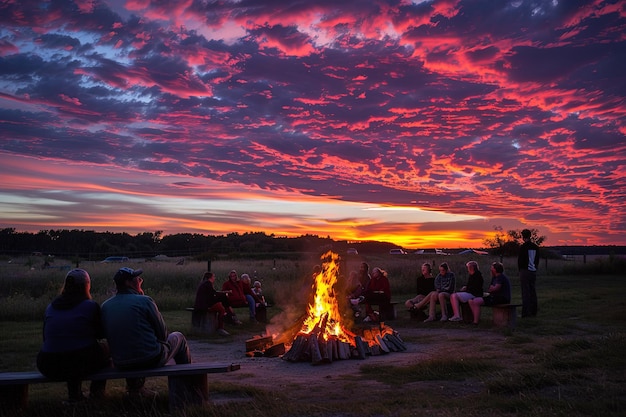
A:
[307,382]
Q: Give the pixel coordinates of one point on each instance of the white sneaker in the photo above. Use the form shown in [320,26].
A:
[444,318]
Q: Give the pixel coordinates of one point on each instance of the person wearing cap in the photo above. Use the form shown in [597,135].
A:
[136,332]
[72,338]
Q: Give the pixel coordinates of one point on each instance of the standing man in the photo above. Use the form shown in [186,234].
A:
[527,263]
[136,332]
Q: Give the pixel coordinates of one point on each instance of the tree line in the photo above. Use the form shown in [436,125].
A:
[92,245]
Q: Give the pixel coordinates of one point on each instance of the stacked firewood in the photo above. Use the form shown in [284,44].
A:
[318,348]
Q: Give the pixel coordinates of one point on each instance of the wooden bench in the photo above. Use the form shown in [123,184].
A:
[206,321]
[390,313]
[187,383]
[503,315]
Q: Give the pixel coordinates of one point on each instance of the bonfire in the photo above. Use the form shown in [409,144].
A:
[323,334]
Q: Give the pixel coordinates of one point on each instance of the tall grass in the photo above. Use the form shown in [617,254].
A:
[26,290]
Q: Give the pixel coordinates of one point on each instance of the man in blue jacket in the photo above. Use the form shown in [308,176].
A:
[136,332]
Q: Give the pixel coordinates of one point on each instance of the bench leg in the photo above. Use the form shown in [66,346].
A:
[13,397]
[504,317]
[187,390]
[205,321]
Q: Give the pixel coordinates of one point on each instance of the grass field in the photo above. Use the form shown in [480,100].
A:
[573,350]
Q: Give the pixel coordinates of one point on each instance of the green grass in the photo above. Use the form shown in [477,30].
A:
[568,361]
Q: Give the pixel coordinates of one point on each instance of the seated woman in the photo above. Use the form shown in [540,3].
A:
[378,293]
[473,289]
[444,287]
[72,338]
[208,299]
[425,285]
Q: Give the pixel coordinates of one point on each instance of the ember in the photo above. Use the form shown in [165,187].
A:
[322,336]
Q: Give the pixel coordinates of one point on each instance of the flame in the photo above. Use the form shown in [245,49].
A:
[323,314]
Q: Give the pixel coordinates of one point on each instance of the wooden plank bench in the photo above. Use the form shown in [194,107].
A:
[187,383]
[503,315]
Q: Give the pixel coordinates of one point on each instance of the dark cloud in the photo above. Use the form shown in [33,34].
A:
[476,107]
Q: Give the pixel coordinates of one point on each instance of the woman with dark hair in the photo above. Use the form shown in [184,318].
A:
[71,332]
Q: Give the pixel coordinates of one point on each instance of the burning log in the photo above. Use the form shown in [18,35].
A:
[382,344]
[258,343]
[314,348]
[298,346]
[361,347]
[274,351]
[392,339]
[344,350]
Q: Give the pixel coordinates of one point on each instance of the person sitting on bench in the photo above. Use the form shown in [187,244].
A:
[425,285]
[378,292]
[499,291]
[240,295]
[72,338]
[207,299]
[473,289]
[136,332]
[445,284]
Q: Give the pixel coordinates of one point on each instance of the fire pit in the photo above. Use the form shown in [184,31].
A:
[321,334]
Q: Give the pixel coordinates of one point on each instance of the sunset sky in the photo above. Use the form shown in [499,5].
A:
[422,123]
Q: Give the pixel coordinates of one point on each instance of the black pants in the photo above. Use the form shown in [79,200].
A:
[528,280]
[73,366]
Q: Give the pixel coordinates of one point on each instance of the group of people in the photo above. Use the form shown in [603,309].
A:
[81,337]
[442,288]
[236,292]
[370,290]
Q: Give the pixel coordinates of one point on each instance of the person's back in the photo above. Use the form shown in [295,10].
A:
[72,328]
[134,329]
[71,333]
